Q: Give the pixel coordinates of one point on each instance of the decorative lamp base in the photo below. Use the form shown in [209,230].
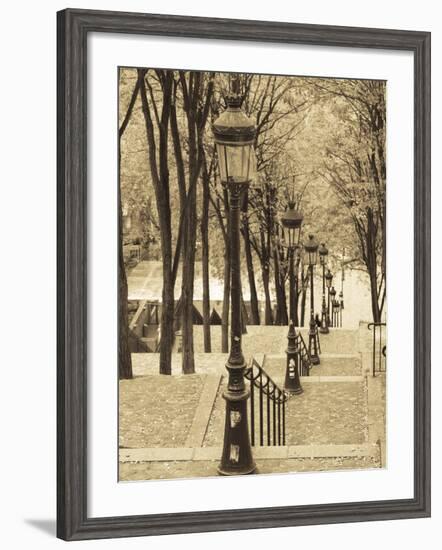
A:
[323,329]
[292,383]
[313,342]
[293,390]
[237,456]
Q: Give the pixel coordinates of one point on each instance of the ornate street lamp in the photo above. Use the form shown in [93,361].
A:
[328,284]
[323,253]
[291,220]
[234,134]
[311,259]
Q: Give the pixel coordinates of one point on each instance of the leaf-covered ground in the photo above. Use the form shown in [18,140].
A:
[157,411]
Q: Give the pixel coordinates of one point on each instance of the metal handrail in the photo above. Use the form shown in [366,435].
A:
[271,415]
[378,364]
[304,354]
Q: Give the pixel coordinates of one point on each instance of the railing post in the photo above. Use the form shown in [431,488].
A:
[261,411]
[279,417]
[252,406]
[269,432]
[274,415]
[377,341]
[380,347]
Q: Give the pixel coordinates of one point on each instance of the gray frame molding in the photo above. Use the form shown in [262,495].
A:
[72,521]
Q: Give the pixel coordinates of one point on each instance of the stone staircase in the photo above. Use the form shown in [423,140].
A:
[338,421]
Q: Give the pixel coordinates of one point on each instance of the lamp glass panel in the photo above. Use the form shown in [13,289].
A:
[311,258]
[236,162]
[291,233]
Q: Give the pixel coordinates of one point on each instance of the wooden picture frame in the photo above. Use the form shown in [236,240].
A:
[73,29]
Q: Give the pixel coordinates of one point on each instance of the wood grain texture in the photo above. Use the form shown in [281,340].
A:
[72,29]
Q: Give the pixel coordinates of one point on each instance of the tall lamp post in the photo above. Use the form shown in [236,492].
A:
[291,220]
[323,253]
[333,307]
[341,294]
[234,134]
[311,258]
[328,284]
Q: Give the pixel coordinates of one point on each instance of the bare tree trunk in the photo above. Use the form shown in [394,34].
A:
[284,312]
[225,230]
[188,364]
[226,301]
[296,293]
[160,178]
[244,315]
[205,264]
[124,356]
[251,274]
[268,319]
[368,244]
[166,325]
[196,104]
[372,272]
[281,299]
[303,300]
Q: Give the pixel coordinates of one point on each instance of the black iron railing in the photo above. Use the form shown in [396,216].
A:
[305,363]
[267,407]
[379,347]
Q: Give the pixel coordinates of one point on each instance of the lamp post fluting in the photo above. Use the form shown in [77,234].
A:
[291,220]
[311,258]
[323,253]
[234,134]
[328,284]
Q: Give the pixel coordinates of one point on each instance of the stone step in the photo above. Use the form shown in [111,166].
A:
[163,454]
[206,363]
[144,364]
[332,364]
[338,340]
[259,339]
[273,339]
[330,412]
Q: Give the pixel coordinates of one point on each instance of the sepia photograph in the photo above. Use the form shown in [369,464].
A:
[252,300]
